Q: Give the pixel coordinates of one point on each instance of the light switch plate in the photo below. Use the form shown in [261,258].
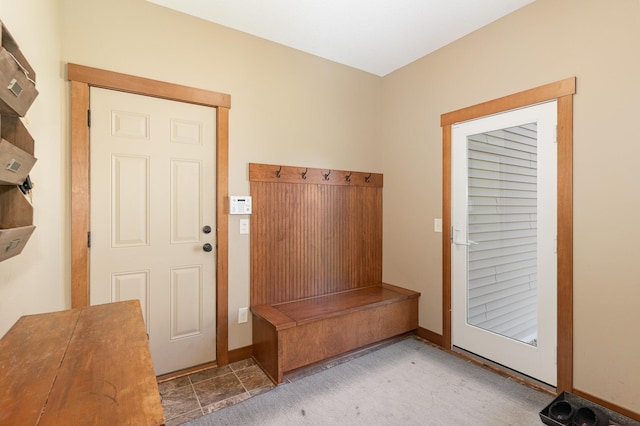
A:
[244,226]
[437,225]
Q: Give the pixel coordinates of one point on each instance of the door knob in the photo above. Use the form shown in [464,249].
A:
[206,229]
[207,247]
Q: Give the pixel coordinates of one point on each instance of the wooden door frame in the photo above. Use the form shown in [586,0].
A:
[82,78]
[563,92]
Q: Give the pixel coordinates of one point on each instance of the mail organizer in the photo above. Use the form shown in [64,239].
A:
[17,93]
[17,78]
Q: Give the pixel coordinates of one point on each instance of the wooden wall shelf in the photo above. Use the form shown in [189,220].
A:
[16,221]
[17,93]
[13,240]
[16,164]
[17,78]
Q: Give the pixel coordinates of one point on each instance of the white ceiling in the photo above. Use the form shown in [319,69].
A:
[377,36]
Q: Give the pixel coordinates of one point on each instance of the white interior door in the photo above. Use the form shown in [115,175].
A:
[152,199]
[503,248]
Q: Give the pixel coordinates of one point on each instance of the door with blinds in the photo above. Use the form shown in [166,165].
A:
[503,239]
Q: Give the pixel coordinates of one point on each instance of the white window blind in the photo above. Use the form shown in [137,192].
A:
[502,201]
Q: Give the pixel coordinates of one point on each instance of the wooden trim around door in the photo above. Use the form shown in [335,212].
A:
[563,92]
[80,161]
[82,78]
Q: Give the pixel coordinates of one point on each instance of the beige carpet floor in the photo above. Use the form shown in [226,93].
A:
[407,383]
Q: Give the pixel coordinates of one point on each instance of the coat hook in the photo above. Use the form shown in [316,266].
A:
[304,174]
[367,178]
[326,177]
[278,172]
[348,177]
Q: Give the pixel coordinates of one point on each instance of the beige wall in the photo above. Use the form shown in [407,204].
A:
[36,280]
[292,108]
[598,42]
[287,107]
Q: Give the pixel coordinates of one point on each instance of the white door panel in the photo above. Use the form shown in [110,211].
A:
[185,201]
[503,239]
[186,301]
[130,201]
[152,193]
[132,285]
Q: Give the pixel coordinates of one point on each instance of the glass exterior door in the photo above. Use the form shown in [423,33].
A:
[503,239]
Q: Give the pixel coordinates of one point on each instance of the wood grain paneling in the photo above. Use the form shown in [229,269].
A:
[316,267]
[517,100]
[107,374]
[335,325]
[267,348]
[143,86]
[312,239]
[13,130]
[222,241]
[446,236]
[338,304]
[336,335]
[565,244]
[80,191]
[90,365]
[48,331]
[15,209]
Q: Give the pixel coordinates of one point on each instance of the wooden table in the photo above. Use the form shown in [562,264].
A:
[84,366]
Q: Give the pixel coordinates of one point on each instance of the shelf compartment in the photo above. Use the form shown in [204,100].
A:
[15,164]
[15,210]
[13,240]
[13,130]
[17,78]
[16,221]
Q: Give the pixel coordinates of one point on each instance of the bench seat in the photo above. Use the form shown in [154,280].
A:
[291,335]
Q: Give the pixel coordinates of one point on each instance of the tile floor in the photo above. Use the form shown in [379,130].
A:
[189,397]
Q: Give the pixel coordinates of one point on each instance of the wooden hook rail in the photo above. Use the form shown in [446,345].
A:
[306,175]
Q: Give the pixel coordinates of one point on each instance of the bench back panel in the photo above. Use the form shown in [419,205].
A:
[311,235]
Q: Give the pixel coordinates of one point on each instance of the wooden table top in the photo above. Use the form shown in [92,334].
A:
[89,365]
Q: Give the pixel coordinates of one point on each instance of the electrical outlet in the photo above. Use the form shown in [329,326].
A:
[243,315]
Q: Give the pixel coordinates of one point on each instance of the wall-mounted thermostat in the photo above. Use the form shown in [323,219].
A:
[240,204]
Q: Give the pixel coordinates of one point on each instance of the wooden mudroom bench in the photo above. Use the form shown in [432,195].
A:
[316,267]
[295,334]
